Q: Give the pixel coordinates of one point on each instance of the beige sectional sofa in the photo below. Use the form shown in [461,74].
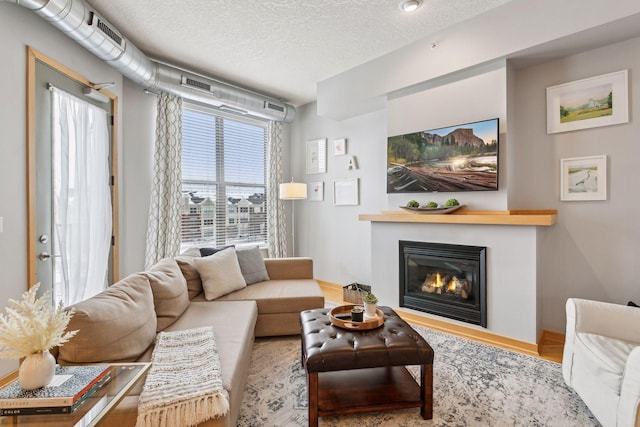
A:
[120,324]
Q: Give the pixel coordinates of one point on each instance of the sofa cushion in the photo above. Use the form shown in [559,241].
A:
[117,325]
[220,273]
[280,296]
[189,270]
[233,325]
[170,294]
[252,265]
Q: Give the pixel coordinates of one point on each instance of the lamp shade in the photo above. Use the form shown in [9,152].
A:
[293,191]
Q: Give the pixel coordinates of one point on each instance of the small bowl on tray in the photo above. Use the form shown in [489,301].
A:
[341,317]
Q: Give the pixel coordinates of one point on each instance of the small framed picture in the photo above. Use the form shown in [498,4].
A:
[316,160]
[316,191]
[583,178]
[588,103]
[340,147]
[345,192]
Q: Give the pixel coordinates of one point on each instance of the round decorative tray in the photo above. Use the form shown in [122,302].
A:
[444,210]
[341,317]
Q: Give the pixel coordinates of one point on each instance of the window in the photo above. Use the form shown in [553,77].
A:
[223,179]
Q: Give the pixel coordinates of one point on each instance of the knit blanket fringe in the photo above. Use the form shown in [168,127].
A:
[184,384]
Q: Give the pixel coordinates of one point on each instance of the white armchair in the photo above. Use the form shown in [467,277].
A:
[601,359]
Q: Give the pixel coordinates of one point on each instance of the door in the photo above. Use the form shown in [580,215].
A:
[43,254]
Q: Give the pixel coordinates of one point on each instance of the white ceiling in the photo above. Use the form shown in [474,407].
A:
[279,47]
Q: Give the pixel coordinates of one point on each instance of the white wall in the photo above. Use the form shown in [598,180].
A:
[471,99]
[20,28]
[511,270]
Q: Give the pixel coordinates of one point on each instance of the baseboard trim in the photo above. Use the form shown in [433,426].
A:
[459,330]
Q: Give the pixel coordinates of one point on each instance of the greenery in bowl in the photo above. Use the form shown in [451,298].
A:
[431,205]
[369,298]
[451,203]
[413,204]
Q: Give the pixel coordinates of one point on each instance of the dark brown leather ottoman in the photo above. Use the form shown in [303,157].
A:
[351,371]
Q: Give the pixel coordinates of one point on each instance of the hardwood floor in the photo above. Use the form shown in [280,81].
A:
[549,348]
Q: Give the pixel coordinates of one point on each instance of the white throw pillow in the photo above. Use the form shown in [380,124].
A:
[220,273]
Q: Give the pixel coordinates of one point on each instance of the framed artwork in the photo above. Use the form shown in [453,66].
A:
[316,156]
[593,102]
[316,191]
[583,178]
[340,147]
[345,192]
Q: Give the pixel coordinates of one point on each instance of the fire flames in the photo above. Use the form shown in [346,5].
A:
[434,283]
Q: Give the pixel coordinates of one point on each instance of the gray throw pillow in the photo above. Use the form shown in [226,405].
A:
[252,265]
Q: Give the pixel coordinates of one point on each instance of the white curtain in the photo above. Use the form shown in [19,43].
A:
[276,226]
[163,229]
[81,198]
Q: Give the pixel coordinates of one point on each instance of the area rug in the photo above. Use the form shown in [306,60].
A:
[474,385]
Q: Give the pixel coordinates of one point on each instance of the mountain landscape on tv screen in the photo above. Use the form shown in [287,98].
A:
[457,158]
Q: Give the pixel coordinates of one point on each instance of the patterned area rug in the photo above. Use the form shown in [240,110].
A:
[474,385]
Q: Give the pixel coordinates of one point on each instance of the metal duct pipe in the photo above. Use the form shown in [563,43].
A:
[89,29]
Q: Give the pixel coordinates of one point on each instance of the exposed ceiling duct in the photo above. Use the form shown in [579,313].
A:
[77,20]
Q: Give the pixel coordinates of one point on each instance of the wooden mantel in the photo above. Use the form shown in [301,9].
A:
[463,216]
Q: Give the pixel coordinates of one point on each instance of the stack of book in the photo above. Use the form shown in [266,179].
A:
[70,386]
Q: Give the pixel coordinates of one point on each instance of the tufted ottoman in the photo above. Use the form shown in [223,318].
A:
[351,371]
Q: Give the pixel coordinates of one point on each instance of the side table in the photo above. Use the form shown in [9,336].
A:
[123,377]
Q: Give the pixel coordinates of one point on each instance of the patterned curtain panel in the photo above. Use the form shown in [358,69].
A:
[163,230]
[275,207]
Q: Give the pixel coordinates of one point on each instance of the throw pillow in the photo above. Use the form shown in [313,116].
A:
[252,265]
[170,294]
[117,325]
[220,273]
[210,251]
[190,272]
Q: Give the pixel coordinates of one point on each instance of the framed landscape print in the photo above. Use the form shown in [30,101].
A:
[588,103]
[316,156]
[583,178]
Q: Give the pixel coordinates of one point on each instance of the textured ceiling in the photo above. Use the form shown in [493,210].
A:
[279,47]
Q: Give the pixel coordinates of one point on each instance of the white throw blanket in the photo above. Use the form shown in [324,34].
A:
[184,384]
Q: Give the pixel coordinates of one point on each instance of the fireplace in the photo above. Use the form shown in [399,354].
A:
[446,280]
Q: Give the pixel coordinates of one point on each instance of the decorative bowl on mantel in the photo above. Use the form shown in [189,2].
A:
[438,210]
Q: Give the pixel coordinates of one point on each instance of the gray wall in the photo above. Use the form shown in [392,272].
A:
[590,253]
[20,28]
[593,250]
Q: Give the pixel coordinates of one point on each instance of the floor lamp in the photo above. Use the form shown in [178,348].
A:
[293,191]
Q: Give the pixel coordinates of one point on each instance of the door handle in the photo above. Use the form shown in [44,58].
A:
[44,256]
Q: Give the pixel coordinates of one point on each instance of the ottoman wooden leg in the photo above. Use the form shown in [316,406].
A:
[426,384]
[312,391]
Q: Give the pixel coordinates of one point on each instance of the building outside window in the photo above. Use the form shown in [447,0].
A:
[223,179]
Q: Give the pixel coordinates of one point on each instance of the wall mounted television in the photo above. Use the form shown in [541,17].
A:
[455,158]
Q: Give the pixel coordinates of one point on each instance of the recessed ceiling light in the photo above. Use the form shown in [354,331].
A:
[410,5]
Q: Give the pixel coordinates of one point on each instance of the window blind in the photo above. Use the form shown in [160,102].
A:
[223,179]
